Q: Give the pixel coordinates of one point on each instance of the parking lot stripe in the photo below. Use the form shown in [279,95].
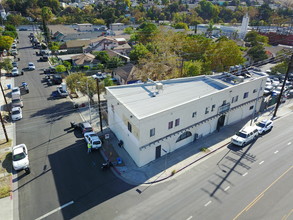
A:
[55,210]
[261,162]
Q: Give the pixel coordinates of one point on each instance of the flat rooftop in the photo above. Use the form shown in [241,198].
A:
[144,99]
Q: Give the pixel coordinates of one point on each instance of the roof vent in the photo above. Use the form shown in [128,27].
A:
[159,86]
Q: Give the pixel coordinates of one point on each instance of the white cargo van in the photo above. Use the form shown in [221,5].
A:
[245,135]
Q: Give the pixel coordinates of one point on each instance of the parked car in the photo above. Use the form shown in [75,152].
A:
[14,64]
[44,58]
[264,126]
[16,113]
[20,159]
[245,135]
[50,70]
[31,66]
[15,91]
[93,139]
[14,52]
[62,92]
[17,103]
[56,79]
[85,127]
[14,71]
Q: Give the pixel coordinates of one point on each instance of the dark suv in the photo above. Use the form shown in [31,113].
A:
[85,127]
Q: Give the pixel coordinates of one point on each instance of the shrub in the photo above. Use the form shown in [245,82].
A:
[173,172]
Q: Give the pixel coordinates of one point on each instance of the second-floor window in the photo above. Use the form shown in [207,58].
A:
[129,127]
[234,99]
[177,122]
[207,110]
[170,125]
[255,90]
[194,114]
[213,107]
[245,95]
[152,132]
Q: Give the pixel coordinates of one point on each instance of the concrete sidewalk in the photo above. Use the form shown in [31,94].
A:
[7,204]
[177,162]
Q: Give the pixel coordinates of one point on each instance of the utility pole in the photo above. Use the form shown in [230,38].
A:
[4,129]
[3,93]
[290,69]
[99,104]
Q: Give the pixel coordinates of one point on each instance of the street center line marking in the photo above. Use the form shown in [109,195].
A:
[228,187]
[289,143]
[209,202]
[261,162]
[190,217]
[55,210]
[276,152]
[245,174]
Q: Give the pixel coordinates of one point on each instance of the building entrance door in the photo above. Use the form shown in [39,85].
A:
[158,151]
[221,122]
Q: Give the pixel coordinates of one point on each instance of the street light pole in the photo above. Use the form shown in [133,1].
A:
[99,104]
[89,101]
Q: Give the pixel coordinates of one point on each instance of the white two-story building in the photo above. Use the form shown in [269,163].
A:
[156,118]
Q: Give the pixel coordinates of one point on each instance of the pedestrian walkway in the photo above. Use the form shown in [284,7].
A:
[6,204]
[175,163]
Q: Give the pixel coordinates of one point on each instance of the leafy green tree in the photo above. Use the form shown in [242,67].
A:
[10,30]
[223,54]
[54,46]
[108,81]
[128,30]
[181,25]
[60,68]
[207,10]
[67,64]
[100,66]
[6,65]
[255,38]
[145,32]
[139,51]
[97,21]
[16,20]
[5,42]
[280,68]
[192,68]
[257,53]
[265,12]
[72,81]
[114,62]
[102,56]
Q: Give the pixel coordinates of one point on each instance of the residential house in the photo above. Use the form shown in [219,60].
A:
[125,74]
[85,27]
[118,45]
[117,26]
[75,46]
[84,59]
[155,118]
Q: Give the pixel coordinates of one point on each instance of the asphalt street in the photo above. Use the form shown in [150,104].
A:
[62,172]
[224,185]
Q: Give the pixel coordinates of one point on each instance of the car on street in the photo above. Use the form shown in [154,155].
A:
[14,64]
[31,66]
[14,52]
[17,103]
[93,139]
[20,159]
[16,113]
[50,70]
[62,92]
[245,135]
[15,91]
[264,126]
[85,127]
[44,58]
[14,71]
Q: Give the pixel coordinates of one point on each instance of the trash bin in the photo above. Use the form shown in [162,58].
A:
[8,86]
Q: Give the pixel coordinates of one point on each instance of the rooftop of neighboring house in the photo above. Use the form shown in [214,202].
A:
[144,99]
[84,58]
[64,29]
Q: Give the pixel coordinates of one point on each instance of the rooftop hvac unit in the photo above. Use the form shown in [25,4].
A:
[159,86]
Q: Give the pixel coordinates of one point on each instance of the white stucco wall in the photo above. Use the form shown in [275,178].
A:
[140,135]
